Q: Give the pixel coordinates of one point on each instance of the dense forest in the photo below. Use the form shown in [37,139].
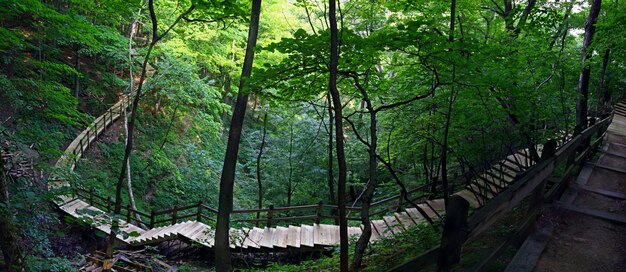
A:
[281,103]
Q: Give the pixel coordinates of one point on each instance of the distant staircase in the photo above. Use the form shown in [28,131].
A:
[477,193]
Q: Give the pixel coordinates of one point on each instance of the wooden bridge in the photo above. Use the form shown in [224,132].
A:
[302,225]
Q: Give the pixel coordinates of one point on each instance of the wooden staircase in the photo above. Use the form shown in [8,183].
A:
[477,193]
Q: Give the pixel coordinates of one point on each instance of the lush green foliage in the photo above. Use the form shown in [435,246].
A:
[508,82]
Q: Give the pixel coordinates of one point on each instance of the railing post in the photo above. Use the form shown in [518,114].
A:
[152,219]
[454,233]
[318,212]
[109,201]
[549,150]
[400,200]
[91,196]
[199,216]
[270,215]
[95,125]
[175,215]
[128,213]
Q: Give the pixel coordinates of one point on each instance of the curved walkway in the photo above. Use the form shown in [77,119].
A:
[81,206]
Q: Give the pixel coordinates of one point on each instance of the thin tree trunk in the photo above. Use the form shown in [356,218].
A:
[222,247]
[107,264]
[131,86]
[289,179]
[331,175]
[366,198]
[9,240]
[77,76]
[341,158]
[258,168]
[446,130]
[585,71]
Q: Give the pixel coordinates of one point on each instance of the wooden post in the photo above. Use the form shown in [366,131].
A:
[109,201]
[318,212]
[152,219]
[199,216]
[549,150]
[270,215]
[175,215]
[454,233]
[95,125]
[402,195]
[128,213]
[91,196]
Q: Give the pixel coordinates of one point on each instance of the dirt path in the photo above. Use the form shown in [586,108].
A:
[582,242]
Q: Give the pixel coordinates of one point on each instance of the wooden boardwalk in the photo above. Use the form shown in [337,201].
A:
[484,187]
[586,226]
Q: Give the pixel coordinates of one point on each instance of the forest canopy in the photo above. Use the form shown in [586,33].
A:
[428,93]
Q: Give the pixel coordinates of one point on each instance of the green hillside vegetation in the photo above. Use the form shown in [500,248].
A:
[426,98]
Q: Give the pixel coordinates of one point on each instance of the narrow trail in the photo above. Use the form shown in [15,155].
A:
[586,229]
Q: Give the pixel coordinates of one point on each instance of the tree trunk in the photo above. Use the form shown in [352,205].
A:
[258,168]
[289,179]
[222,247]
[9,240]
[107,264]
[341,158]
[77,76]
[366,198]
[446,130]
[331,176]
[585,71]
[131,86]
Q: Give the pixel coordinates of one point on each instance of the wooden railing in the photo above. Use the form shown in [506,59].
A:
[81,143]
[539,184]
[268,216]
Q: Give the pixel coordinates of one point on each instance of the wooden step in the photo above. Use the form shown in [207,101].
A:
[405,219]
[393,224]
[268,236]
[293,236]
[280,237]
[306,236]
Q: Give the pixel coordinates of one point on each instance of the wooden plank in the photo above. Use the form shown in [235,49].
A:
[614,169]
[254,238]
[333,234]
[381,228]
[235,237]
[438,204]
[306,236]
[603,192]
[527,256]
[405,219]
[392,224]
[593,212]
[280,237]
[268,237]
[354,232]
[415,215]
[614,154]
[293,237]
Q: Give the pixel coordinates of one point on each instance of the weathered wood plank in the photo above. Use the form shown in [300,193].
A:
[603,192]
[280,237]
[293,236]
[527,256]
[306,236]
[593,212]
